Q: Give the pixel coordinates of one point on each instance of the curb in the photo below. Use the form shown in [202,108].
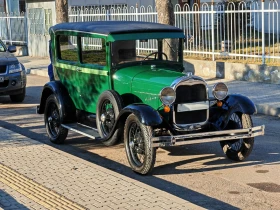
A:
[268,110]
[39,72]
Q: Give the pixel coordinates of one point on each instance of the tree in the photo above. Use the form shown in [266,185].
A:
[61,11]
[166,15]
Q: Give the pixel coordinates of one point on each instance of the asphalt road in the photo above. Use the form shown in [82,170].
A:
[198,173]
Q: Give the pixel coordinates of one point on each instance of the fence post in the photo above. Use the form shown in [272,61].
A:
[263,37]
[107,14]
[136,13]
[213,41]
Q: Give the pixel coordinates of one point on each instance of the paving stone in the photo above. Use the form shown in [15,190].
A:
[84,183]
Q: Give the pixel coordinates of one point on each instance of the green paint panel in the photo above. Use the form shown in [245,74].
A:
[84,87]
[144,83]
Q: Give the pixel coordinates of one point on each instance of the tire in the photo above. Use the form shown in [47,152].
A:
[239,149]
[109,106]
[57,134]
[19,97]
[137,139]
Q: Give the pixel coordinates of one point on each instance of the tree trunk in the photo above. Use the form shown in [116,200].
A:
[61,11]
[166,15]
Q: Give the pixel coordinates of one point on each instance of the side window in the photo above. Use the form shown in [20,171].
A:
[93,51]
[68,48]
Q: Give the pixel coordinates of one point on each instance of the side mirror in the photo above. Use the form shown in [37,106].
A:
[12,49]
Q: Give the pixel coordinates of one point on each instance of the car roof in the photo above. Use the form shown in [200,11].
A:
[115,27]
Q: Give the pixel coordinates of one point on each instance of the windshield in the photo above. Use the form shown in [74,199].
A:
[2,48]
[128,51]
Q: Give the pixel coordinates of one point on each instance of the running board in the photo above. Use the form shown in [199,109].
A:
[82,129]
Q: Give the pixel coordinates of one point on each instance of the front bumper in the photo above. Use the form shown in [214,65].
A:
[13,83]
[197,138]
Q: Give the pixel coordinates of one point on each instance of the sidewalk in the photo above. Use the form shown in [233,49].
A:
[34,175]
[265,96]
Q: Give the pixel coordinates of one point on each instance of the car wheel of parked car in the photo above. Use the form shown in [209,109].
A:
[238,149]
[137,139]
[57,134]
[19,97]
[109,106]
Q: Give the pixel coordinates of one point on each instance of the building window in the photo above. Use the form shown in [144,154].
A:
[40,20]
[48,20]
[22,6]
[36,20]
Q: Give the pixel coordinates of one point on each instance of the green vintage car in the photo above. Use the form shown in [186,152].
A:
[119,80]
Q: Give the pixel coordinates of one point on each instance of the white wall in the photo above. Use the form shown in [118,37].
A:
[38,45]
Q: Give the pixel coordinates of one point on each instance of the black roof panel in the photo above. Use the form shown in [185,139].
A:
[115,27]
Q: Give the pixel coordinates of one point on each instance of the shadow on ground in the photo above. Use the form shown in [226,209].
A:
[9,202]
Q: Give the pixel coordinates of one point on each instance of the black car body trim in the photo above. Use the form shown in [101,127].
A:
[67,107]
[146,114]
[233,103]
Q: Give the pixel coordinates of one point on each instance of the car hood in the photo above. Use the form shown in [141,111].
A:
[7,58]
[146,82]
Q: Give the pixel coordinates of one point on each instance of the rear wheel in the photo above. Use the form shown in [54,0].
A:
[238,149]
[57,134]
[19,97]
[137,139]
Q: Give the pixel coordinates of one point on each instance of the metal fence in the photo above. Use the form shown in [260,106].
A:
[244,30]
[13,28]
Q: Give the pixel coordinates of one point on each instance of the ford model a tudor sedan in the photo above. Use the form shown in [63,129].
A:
[106,81]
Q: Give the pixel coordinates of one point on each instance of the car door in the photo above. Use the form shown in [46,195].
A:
[93,71]
[82,69]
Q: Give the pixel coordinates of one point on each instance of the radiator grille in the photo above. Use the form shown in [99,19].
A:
[4,84]
[191,117]
[190,94]
[2,69]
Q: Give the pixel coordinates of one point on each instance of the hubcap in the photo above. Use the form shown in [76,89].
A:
[53,120]
[107,117]
[103,118]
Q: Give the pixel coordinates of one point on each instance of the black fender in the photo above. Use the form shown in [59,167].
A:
[66,105]
[233,103]
[146,114]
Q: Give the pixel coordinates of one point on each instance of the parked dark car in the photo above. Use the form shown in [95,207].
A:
[107,81]
[12,74]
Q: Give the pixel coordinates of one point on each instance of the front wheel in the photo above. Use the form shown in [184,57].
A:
[238,149]
[137,139]
[57,134]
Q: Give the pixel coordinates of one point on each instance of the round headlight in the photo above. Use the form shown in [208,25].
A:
[167,96]
[220,91]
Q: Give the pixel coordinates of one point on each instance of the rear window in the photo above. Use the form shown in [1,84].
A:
[68,49]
